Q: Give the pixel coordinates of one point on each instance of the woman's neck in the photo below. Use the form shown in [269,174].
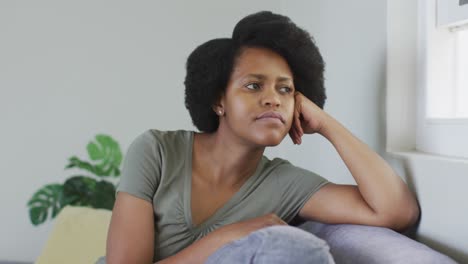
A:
[223,159]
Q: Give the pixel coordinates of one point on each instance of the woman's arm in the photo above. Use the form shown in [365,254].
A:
[380,198]
[199,251]
[130,238]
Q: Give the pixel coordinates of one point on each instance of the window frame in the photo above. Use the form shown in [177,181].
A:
[409,57]
[441,136]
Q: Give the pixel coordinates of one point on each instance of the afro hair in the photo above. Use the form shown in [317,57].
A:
[210,65]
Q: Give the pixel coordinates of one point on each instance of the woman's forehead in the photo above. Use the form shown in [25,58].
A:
[261,63]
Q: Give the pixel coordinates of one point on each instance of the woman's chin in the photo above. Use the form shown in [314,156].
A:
[270,139]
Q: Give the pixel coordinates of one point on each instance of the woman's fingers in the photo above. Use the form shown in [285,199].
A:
[297,126]
[296,131]
[294,134]
[274,219]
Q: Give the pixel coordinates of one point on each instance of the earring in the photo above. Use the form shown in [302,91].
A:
[220,112]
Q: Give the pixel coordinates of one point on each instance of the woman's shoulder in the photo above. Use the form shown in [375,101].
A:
[159,145]
[283,166]
[154,140]
[276,162]
[164,136]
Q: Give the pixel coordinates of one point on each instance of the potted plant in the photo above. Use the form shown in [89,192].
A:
[90,190]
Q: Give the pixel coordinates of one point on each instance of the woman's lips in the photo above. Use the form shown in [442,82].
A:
[271,116]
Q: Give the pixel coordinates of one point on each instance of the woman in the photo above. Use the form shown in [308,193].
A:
[187,197]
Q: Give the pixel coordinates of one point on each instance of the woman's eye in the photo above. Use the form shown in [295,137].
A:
[286,89]
[253,86]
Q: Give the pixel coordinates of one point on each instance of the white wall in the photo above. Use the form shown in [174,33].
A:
[69,70]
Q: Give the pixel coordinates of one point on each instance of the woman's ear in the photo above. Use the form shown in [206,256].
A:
[218,106]
[218,109]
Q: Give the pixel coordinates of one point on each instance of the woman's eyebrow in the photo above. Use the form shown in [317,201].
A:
[263,77]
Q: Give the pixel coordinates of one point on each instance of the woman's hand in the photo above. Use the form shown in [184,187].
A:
[243,228]
[308,118]
[200,250]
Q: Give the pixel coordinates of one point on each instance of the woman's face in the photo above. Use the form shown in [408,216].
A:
[259,99]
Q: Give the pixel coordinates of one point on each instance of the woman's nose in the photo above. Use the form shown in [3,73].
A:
[271,98]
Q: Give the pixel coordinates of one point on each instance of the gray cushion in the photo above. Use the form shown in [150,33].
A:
[369,244]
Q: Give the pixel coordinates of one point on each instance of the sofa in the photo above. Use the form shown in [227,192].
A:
[369,244]
[79,236]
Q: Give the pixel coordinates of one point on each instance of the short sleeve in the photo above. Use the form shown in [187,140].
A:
[296,186]
[141,169]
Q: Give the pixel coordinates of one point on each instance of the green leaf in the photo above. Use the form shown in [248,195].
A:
[94,152]
[106,152]
[78,190]
[76,162]
[44,200]
[116,172]
[38,214]
[69,200]
[104,195]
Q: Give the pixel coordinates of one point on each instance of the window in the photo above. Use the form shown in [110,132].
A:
[461,74]
[442,119]
[427,72]
[447,89]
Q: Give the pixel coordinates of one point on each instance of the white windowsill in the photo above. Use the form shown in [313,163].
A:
[429,156]
[447,121]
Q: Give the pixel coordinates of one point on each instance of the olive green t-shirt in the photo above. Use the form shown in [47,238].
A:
[158,168]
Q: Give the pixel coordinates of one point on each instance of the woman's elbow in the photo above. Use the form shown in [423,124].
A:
[405,217]
[413,216]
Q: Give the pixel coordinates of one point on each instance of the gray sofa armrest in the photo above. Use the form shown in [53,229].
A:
[370,244]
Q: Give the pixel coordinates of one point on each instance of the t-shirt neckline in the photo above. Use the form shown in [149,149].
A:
[188,192]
